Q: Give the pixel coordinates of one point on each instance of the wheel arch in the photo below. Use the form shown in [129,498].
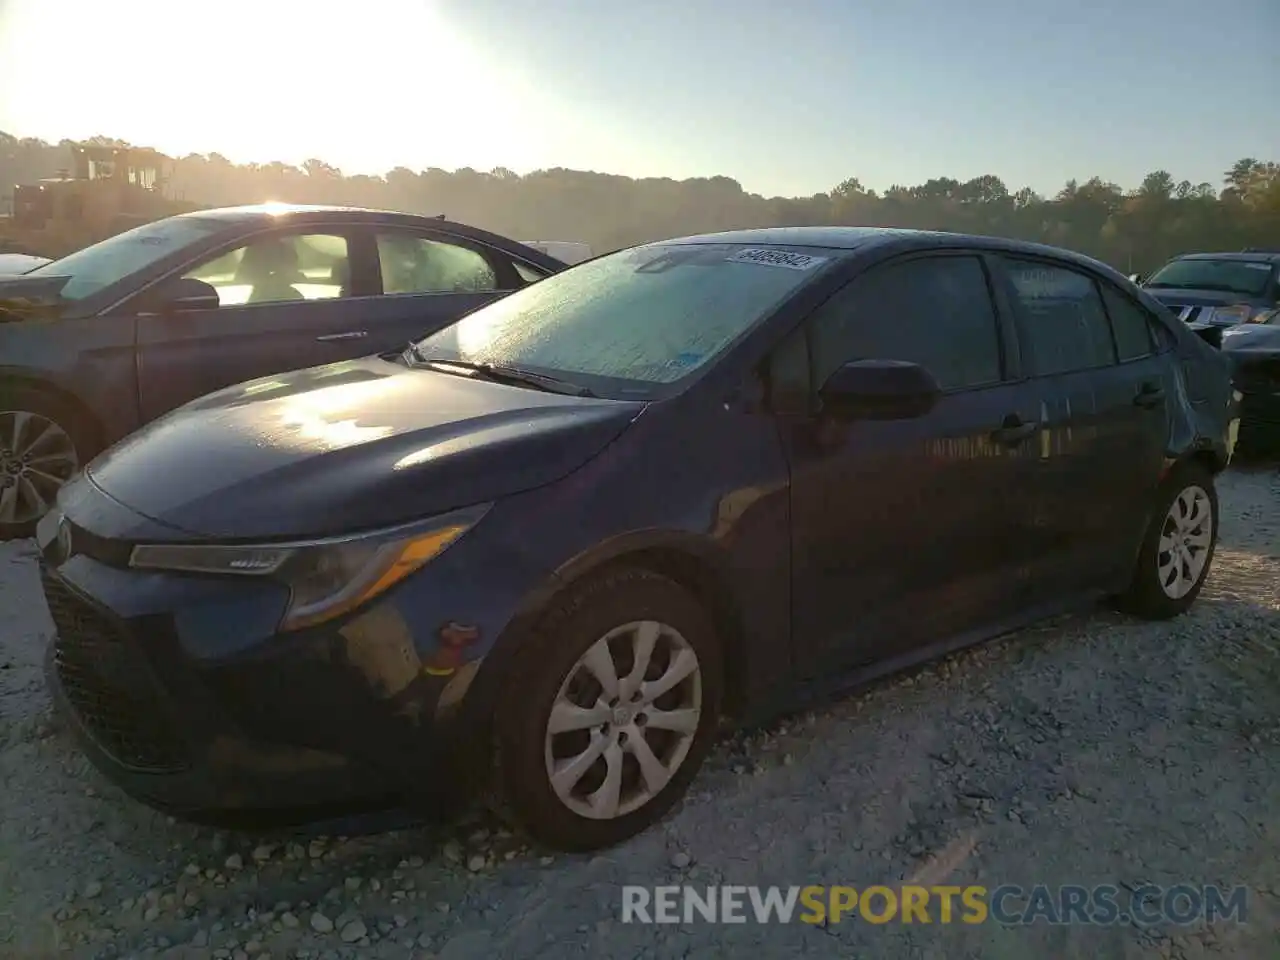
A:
[62,394]
[692,561]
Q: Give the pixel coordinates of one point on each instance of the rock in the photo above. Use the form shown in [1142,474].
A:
[151,915]
[320,923]
[680,860]
[476,863]
[452,851]
[352,884]
[92,890]
[289,920]
[353,931]
[263,852]
[234,862]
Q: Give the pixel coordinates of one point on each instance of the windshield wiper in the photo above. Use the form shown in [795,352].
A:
[502,374]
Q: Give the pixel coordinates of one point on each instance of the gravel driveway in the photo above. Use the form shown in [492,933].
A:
[1092,750]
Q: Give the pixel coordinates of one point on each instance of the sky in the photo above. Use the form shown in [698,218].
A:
[788,98]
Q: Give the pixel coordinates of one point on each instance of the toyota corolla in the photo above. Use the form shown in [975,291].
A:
[545,550]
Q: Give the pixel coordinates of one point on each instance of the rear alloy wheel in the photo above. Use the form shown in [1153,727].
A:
[1177,550]
[37,456]
[611,709]
[1186,537]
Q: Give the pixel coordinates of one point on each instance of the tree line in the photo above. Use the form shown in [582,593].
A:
[1135,230]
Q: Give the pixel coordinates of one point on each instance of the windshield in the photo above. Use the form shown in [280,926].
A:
[1246,277]
[97,267]
[649,315]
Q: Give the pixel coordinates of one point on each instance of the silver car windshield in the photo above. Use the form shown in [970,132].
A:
[99,266]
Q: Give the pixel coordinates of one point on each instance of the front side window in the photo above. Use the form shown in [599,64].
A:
[276,269]
[413,264]
[1247,278]
[99,266]
[934,311]
[1064,325]
[649,315]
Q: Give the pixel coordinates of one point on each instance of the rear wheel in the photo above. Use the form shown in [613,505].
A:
[1177,550]
[44,441]
[610,711]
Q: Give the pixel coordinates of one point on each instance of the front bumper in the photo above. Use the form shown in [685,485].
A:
[198,728]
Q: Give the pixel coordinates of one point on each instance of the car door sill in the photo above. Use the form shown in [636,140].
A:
[764,709]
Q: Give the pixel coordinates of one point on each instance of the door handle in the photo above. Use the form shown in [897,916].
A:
[1149,395]
[1015,430]
[349,335]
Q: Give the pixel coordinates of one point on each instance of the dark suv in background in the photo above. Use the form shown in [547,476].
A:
[1212,292]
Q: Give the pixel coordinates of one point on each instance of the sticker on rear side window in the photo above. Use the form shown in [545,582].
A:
[777,258]
[1258,266]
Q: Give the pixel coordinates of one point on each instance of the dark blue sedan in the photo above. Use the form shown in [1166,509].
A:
[96,344]
[544,550]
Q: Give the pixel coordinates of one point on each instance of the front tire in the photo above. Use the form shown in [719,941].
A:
[1178,546]
[44,441]
[610,709]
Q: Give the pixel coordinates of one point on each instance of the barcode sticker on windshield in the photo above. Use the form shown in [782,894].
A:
[778,258]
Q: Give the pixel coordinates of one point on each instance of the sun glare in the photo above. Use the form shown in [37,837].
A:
[365,88]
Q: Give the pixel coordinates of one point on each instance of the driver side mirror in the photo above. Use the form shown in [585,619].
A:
[879,390]
[184,295]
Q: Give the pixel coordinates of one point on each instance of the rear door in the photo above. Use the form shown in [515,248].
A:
[902,529]
[287,299]
[424,280]
[1101,391]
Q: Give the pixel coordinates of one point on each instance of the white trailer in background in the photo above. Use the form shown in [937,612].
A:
[568,251]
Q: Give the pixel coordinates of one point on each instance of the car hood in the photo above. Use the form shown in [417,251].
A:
[1251,338]
[30,298]
[349,446]
[1197,298]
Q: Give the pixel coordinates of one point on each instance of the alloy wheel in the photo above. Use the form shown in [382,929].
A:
[36,458]
[1185,539]
[623,720]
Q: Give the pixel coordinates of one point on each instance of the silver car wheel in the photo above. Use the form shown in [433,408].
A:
[1185,539]
[36,458]
[623,720]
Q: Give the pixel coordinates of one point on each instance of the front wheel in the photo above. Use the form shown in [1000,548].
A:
[1178,547]
[43,443]
[610,710]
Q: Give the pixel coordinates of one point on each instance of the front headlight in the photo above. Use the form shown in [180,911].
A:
[326,578]
[1236,313]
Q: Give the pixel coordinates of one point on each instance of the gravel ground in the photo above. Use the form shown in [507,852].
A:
[1092,750]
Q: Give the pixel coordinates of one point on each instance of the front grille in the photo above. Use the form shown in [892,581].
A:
[109,685]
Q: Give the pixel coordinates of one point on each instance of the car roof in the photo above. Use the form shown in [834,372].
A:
[857,240]
[298,213]
[1261,256]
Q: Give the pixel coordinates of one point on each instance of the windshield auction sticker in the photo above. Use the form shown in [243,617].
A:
[777,258]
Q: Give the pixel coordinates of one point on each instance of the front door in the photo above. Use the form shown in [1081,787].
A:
[287,301]
[902,530]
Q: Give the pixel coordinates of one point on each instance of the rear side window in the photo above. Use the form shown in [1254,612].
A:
[934,311]
[1064,324]
[1130,324]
